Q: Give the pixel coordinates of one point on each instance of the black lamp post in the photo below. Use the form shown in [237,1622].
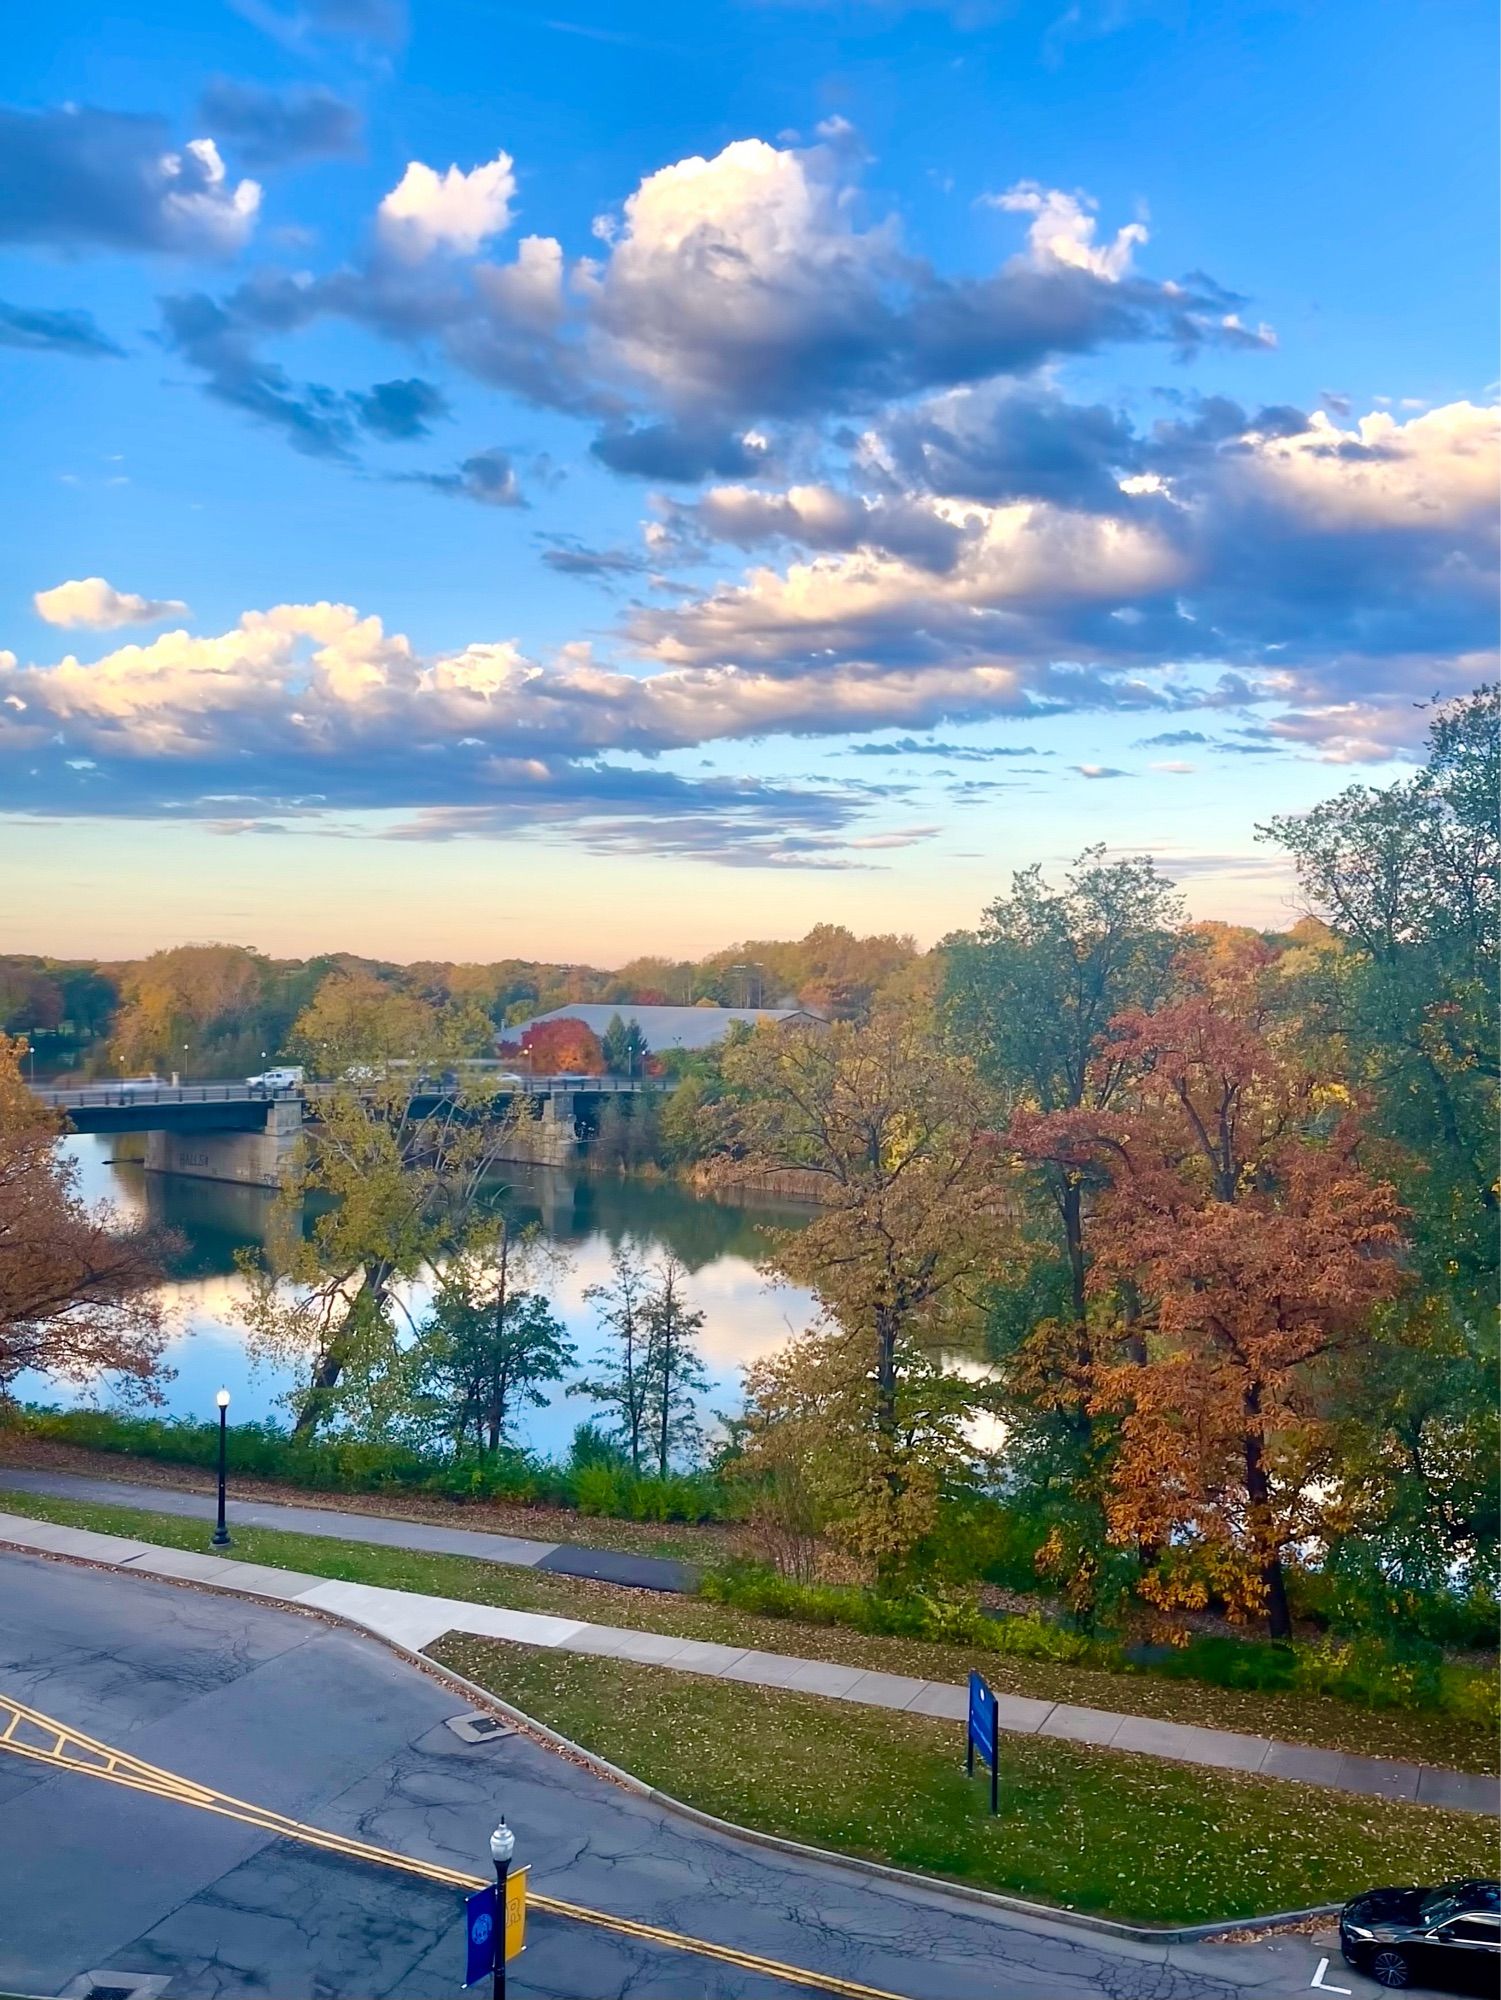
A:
[221,1533]
[502,1847]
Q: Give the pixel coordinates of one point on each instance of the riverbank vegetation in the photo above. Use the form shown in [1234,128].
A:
[1154,1267]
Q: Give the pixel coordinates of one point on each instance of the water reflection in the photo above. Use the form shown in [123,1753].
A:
[718,1242]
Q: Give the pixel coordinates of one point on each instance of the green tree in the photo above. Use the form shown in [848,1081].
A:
[675,1372]
[488,1344]
[914,1224]
[622,1380]
[625,1048]
[1408,881]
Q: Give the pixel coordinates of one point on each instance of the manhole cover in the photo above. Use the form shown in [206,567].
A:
[479,1728]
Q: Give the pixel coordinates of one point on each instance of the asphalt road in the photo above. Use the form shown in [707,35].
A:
[317,1723]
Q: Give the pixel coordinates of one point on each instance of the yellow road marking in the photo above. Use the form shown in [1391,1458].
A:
[71,1750]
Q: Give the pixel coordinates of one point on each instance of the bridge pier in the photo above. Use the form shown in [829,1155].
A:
[550,1138]
[254,1159]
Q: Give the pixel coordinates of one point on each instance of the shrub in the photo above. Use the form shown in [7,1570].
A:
[595,1479]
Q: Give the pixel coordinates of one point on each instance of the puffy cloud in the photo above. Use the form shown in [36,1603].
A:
[309,710]
[997,442]
[270,128]
[1098,771]
[1343,571]
[92,602]
[454,211]
[743,286]
[822,517]
[54,330]
[1063,230]
[733,294]
[76,177]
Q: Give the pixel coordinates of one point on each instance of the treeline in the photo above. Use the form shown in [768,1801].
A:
[1219,1207]
[215,1010]
[1199,1222]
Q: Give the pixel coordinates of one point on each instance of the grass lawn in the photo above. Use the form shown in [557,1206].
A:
[1091,1830]
[1298,1718]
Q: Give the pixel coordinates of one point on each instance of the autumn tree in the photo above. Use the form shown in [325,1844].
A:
[357,1021]
[566,1047]
[394,1192]
[1239,1249]
[1029,997]
[913,1222]
[79,1292]
[192,1008]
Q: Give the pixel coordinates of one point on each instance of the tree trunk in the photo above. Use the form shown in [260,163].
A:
[1279,1622]
[330,1364]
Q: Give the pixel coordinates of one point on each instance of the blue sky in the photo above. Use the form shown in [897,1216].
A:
[489,481]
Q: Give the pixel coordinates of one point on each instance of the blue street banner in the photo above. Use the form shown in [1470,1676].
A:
[980,1734]
[479,1928]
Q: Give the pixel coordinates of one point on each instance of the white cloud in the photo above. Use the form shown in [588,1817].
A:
[199,202]
[454,211]
[1063,230]
[90,601]
[1438,470]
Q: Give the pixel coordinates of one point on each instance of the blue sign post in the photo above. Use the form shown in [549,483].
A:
[482,1942]
[981,1731]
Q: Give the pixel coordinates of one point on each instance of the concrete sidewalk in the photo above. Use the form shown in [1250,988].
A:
[385,1531]
[413,1620]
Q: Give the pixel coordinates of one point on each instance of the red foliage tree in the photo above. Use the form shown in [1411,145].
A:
[564,1048]
[1238,1245]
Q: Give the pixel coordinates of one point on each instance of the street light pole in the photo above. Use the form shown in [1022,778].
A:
[502,1847]
[221,1533]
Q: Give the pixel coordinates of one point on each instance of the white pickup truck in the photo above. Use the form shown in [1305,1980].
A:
[287,1078]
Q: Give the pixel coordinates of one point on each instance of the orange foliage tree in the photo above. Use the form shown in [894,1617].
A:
[79,1293]
[564,1048]
[1239,1248]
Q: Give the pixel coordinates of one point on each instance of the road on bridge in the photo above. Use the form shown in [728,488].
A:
[328,1728]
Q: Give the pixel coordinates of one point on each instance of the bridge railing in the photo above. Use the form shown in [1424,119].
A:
[104,1096]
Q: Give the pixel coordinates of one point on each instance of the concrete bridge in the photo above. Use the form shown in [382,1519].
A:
[243,1131]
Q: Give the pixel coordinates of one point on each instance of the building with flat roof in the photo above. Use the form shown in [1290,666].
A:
[664,1027]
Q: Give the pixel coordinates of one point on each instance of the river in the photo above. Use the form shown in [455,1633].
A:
[587,1217]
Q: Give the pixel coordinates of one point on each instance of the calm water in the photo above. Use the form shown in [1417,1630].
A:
[587,1218]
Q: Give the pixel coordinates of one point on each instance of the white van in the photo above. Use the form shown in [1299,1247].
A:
[287,1078]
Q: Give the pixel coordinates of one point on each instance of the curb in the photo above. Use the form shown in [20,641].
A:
[554,1740]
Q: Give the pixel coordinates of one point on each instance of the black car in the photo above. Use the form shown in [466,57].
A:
[1449,1936]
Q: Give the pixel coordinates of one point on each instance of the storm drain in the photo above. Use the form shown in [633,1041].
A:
[478,1728]
[105,1984]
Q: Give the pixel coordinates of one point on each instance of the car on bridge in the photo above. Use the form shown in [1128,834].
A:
[1448,1936]
[288,1077]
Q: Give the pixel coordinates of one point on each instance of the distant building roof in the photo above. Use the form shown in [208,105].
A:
[664,1027]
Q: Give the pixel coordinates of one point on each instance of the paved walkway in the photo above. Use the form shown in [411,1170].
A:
[563,1558]
[414,1620]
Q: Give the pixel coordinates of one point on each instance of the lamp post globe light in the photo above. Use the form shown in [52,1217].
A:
[221,1533]
[502,1847]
